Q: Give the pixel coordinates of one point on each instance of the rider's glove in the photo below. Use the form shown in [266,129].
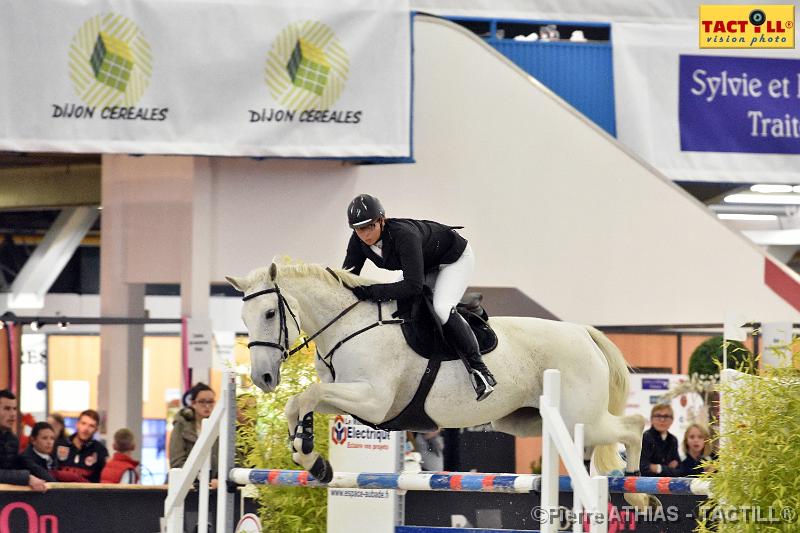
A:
[362,292]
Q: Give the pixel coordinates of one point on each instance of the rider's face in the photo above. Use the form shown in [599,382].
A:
[371,233]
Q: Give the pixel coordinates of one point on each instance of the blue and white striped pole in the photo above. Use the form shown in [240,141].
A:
[461,482]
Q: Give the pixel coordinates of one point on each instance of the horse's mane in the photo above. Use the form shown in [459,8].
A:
[288,268]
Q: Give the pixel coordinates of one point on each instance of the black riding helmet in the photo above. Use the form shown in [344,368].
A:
[363,210]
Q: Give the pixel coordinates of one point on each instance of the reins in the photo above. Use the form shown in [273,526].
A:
[327,359]
[283,334]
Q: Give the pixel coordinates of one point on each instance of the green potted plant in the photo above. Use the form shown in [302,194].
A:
[262,442]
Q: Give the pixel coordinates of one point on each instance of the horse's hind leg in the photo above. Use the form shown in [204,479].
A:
[605,434]
[631,437]
[609,430]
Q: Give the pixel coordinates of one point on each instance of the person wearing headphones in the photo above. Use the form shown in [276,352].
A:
[198,403]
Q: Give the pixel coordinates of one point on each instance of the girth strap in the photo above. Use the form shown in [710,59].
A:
[413,417]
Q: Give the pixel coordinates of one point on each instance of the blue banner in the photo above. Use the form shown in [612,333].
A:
[739,104]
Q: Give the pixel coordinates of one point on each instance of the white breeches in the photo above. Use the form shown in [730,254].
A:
[451,283]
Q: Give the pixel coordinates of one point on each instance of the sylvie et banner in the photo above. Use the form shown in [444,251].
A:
[707,114]
[739,104]
[307,78]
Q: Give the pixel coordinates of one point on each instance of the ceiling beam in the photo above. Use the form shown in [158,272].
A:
[52,186]
[50,257]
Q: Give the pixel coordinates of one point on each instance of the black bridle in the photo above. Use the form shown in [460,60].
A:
[283,335]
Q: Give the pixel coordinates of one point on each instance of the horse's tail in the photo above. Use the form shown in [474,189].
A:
[605,456]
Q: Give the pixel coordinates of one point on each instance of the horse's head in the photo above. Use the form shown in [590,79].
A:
[270,323]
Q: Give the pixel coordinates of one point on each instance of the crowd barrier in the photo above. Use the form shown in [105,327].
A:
[67,507]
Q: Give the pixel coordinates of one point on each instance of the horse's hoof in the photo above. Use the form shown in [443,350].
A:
[296,459]
[322,470]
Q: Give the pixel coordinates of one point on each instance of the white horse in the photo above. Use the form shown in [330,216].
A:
[376,373]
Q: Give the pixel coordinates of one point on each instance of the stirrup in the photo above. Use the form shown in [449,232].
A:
[482,387]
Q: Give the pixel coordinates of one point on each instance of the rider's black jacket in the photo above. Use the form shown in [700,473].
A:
[413,246]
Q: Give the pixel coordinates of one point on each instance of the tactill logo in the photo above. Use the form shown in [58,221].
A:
[746,26]
[307,67]
[110,62]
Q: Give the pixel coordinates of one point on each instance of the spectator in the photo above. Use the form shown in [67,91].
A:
[122,468]
[56,421]
[199,402]
[659,446]
[12,467]
[28,422]
[430,446]
[81,454]
[697,448]
[38,456]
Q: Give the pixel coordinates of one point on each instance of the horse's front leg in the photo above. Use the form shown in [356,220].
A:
[292,414]
[354,398]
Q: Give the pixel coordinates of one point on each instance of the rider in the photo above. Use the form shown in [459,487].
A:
[417,247]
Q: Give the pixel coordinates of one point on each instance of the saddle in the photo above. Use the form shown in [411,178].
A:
[422,330]
[424,335]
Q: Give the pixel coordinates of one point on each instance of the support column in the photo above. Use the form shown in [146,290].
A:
[196,273]
[121,360]
[119,395]
[146,203]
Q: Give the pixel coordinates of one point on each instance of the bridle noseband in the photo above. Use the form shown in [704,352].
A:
[283,334]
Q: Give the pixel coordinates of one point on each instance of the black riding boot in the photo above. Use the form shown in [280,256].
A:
[460,335]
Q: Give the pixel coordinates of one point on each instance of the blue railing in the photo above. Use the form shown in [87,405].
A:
[579,72]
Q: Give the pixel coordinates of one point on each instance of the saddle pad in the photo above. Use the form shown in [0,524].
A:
[423,333]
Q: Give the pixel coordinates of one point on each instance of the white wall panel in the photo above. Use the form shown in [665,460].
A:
[551,204]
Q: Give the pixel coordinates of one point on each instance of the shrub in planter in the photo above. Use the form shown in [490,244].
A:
[755,473]
[262,442]
[706,360]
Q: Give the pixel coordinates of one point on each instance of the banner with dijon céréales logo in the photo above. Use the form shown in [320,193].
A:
[306,78]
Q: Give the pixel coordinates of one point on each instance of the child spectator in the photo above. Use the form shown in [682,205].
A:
[659,446]
[38,456]
[697,448]
[82,455]
[122,468]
